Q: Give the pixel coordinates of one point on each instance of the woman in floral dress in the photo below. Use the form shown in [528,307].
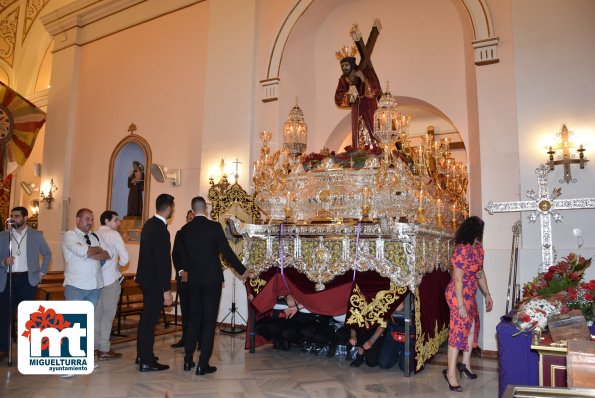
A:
[467,274]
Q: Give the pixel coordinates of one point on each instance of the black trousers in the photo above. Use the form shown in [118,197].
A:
[205,300]
[184,305]
[21,291]
[152,305]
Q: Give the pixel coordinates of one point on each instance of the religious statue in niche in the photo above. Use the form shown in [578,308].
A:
[136,184]
[359,87]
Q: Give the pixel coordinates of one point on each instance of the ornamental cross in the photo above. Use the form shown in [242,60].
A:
[546,206]
[237,175]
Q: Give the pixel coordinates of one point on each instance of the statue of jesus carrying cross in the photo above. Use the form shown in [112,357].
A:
[359,87]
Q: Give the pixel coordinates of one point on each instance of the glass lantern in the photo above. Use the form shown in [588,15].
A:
[295,132]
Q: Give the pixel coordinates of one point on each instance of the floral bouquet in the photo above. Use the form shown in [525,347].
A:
[581,298]
[355,158]
[533,314]
[561,287]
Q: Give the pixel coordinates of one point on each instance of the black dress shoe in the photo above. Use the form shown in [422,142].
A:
[137,360]
[152,367]
[203,370]
[188,363]
[178,344]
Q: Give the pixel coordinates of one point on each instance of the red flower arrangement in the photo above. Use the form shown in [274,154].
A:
[352,157]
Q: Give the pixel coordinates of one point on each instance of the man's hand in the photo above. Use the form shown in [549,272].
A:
[360,74]
[367,345]
[93,250]
[184,276]
[353,94]
[290,312]
[8,261]
[249,274]
[167,298]
[100,255]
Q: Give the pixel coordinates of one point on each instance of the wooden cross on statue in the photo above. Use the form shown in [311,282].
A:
[365,50]
[546,206]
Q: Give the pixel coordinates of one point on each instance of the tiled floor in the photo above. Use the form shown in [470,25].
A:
[266,373]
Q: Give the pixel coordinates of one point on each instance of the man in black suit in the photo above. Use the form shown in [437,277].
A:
[199,245]
[182,287]
[154,277]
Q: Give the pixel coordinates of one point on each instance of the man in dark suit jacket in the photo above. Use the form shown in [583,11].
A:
[199,245]
[182,287]
[154,277]
[27,245]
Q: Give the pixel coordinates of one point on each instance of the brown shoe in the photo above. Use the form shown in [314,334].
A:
[3,355]
[109,355]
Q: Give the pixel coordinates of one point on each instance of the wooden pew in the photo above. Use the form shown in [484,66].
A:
[131,303]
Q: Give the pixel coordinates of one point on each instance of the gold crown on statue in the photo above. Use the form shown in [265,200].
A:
[345,52]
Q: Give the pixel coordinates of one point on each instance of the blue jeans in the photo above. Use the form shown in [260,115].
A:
[74,293]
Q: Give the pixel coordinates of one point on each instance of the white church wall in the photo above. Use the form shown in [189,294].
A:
[151,74]
[228,111]
[499,165]
[555,86]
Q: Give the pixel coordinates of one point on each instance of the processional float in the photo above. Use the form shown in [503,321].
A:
[371,224]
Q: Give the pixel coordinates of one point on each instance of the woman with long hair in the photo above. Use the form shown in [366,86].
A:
[467,275]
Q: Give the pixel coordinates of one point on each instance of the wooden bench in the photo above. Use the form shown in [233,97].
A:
[50,291]
[131,303]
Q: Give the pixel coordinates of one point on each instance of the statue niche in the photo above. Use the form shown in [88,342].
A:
[128,187]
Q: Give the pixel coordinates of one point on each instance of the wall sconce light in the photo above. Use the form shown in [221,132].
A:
[48,197]
[565,157]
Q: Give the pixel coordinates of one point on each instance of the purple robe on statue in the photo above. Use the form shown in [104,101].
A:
[364,106]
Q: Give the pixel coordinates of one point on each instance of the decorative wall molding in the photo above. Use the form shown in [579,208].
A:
[8,34]
[4,4]
[40,98]
[479,15]
[270,88]
[32,10]
[85,21]
[486,51]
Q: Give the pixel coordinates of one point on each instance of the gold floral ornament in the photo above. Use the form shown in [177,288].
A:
[424,350]
[367,315]
[257,284]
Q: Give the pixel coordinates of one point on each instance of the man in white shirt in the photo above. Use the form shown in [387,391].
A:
[20,250]
[105,310]
[84,252]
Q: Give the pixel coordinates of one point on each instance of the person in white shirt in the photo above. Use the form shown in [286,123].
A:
[105,310]
[21,249]
[84,252]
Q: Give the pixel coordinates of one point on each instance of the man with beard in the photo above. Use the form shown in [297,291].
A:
[360,90]
[27,245]
[154,277]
